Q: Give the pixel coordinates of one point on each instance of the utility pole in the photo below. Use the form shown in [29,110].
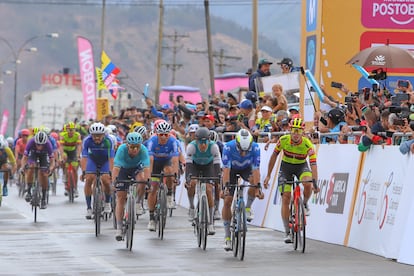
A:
[102,37]
[175,48]
[209,47]
[52,113]
[160,30]
[255,39]
[220,57]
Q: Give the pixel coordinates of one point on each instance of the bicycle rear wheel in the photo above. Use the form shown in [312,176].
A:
[197,224]
[130,223]
[97,208]
[71,183]
[204,222]
[242,227]
[22,185]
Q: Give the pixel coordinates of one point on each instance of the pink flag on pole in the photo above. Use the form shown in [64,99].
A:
[20,121]
[87,73]
[4,121]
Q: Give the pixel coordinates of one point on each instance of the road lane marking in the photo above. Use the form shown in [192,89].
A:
[107,265]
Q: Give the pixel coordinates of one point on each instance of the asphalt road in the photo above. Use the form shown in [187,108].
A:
[63,242]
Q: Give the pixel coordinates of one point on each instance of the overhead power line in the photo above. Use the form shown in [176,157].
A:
[148,2]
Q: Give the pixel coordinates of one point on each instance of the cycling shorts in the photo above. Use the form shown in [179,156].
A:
[125,174]
[244,174]
[43,158]
[159,165]
[288,171]
[71,157]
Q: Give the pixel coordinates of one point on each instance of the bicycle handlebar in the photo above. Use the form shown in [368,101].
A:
[205,178]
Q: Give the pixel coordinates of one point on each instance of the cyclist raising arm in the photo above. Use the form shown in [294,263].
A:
[97,152]
[240,156]
[296,148]
[131,161]
[203,156]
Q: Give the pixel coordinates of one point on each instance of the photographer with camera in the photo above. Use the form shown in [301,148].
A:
[333,122]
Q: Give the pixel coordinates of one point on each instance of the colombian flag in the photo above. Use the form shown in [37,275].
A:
[109,72]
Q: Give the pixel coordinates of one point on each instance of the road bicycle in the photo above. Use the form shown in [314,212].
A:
[129,219]
[202,218]
[71,182]
[21,183]
[160,213]
[36,188]
[1,184]
[238,224]
[53,181]
[297,216]
[98,202]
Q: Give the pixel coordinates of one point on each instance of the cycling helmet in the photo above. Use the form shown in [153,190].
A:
[70,125]
[10,140]
[55,135]
[202,133]
[113,128]
[157,122]
[244,140]
[35,130]
[193,128]
[25,131]
[40,138]
[97,128]
[213,136]
[163,127]
[134,138]
[297,123]
[141,130]
[46,130]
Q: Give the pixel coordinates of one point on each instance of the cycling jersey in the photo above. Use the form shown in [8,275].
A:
[31,148]
[296,153]
[124,160]
[70,143]
[232,158]
[162,152]
[194,155]
[7,154]
[20,147]
[99,153]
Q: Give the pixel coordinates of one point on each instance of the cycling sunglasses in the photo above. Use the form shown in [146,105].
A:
[134,147]
[204,141]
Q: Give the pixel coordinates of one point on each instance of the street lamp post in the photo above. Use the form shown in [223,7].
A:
[16,56]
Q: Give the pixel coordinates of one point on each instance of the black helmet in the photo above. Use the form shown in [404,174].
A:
[202,133]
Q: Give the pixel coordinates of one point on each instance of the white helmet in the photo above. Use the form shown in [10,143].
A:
[97,128]
[213,136]
[3,142]
[141,130]
[163,127]
[46,130]
[40,138]
[244,140]
[193,128]
[113,128]
[10,140]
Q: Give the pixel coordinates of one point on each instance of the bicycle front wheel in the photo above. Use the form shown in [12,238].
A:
[97,208]
[35,200]
[162,213]
[300,227]
[113,203]
[234,234]
[242,227]
[130,223]
[71,184]
[204,222]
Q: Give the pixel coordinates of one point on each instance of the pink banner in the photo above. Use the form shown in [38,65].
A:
[87,73]
[20,122]
[4,121]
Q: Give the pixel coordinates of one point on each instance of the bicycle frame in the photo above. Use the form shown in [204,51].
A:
[98,202]
[71,182]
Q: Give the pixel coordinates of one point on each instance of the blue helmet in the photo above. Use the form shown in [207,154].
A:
[134,138]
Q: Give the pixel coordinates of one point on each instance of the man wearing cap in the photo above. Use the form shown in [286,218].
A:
[293,110]
[247,115]
[286,64]
[209,122]
[155,112]
[252,96]
[231,99]
[334,122]
[263,70]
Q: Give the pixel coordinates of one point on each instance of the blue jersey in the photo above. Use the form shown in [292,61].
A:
[53,142]
[124,160]
[162,152]
[232,159]
[99,153]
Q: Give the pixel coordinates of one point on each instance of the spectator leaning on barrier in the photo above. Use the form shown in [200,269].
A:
[265,123]
[263,70]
